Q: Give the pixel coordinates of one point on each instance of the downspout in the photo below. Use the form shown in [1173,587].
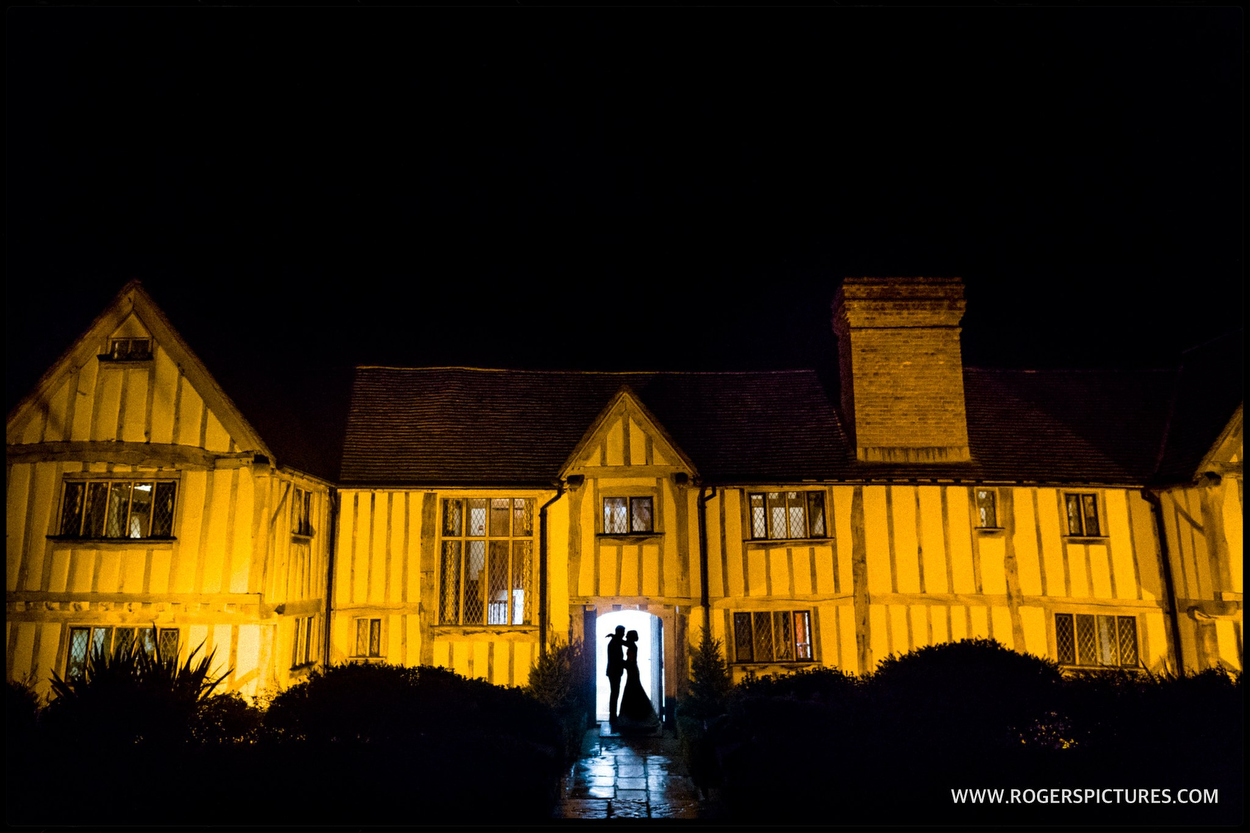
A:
[704,596]
[1156,506]
[331,528]
[542,569]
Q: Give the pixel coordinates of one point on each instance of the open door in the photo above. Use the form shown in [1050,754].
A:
[657,669]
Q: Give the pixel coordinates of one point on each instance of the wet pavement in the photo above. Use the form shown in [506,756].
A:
[630,777]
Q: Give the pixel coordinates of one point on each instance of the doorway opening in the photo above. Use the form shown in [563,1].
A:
[650,656]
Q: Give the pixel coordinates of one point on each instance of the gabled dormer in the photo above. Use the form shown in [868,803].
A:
[1225,456]
[626,439]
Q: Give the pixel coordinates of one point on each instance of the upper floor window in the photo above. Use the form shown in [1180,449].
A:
[486,573]
[301,512]
[85,641]
[773,636]
[129,350]
[987,508]
[1095,640]
[782,515]
[1083,515]
[623,515]
[118,509]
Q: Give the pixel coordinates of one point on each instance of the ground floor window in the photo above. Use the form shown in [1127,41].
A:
[487,564]
[368,638]
[773,636]
[85,641]
[303,649]
[1089,640]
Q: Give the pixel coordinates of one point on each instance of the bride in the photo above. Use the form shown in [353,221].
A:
[636,712]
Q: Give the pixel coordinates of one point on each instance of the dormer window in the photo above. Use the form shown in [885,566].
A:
[128,350]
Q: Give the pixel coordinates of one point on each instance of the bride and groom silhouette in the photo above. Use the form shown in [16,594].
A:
[635,714]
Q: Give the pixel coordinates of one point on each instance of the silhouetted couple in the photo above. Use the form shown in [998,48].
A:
[635,713]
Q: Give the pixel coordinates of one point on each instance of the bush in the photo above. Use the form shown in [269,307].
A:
[819,683]
[21,716]
[415,740]
[710,682]
[555,680]
[227,718]
[131,696]
[963,699]
[709,687]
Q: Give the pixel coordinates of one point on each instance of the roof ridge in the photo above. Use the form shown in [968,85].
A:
[1072,369]
[588,372]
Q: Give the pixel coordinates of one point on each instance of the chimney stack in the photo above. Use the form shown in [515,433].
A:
[901,368]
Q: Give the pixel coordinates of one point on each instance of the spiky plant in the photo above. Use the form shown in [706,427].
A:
[132,695]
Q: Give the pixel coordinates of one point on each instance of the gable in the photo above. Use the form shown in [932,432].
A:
[1227,452]
[626,435]
[130,378]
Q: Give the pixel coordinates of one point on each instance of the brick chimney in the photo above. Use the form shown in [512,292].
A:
[901,368]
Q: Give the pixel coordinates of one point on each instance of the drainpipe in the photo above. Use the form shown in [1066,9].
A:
[704,600]
[542,569]
[1156,505]
[331,528]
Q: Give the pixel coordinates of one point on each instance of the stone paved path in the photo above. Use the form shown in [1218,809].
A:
[629,777]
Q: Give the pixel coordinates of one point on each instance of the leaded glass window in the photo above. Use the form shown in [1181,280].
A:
[786,515]
[486,566]
[1090,640]
[772,636]
[118,509]
[1083,515]
[368,638]
[626,515]
[87,640]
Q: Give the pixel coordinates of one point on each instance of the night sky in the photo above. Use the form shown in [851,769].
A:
[623,188]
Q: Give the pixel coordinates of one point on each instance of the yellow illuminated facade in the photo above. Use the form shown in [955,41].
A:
[140,497]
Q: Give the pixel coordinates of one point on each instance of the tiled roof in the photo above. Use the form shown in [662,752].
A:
[460,425]
[1209,388]
[449,426]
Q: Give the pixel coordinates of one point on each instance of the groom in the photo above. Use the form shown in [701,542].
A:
[616,667]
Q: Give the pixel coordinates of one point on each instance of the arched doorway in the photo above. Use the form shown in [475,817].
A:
[650,656]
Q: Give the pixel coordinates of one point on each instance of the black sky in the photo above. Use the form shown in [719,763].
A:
[621,188]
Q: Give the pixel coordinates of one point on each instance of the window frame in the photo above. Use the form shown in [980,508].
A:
[303,652]
[630,515]
[1085,500]
[460,547]
[301,512]
[129,354]
[72,673]
[1077,656]
[371,654]
[809,497]
[110,483]
[991,493]
[795,646]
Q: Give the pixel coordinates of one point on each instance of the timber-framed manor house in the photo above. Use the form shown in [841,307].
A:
[473,516]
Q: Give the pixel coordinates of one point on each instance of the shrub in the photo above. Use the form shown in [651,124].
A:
[710,682]
[818,683]
[963,698]
[130,696]
[413,740]
[227,718]
[555,681]
[21,715]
